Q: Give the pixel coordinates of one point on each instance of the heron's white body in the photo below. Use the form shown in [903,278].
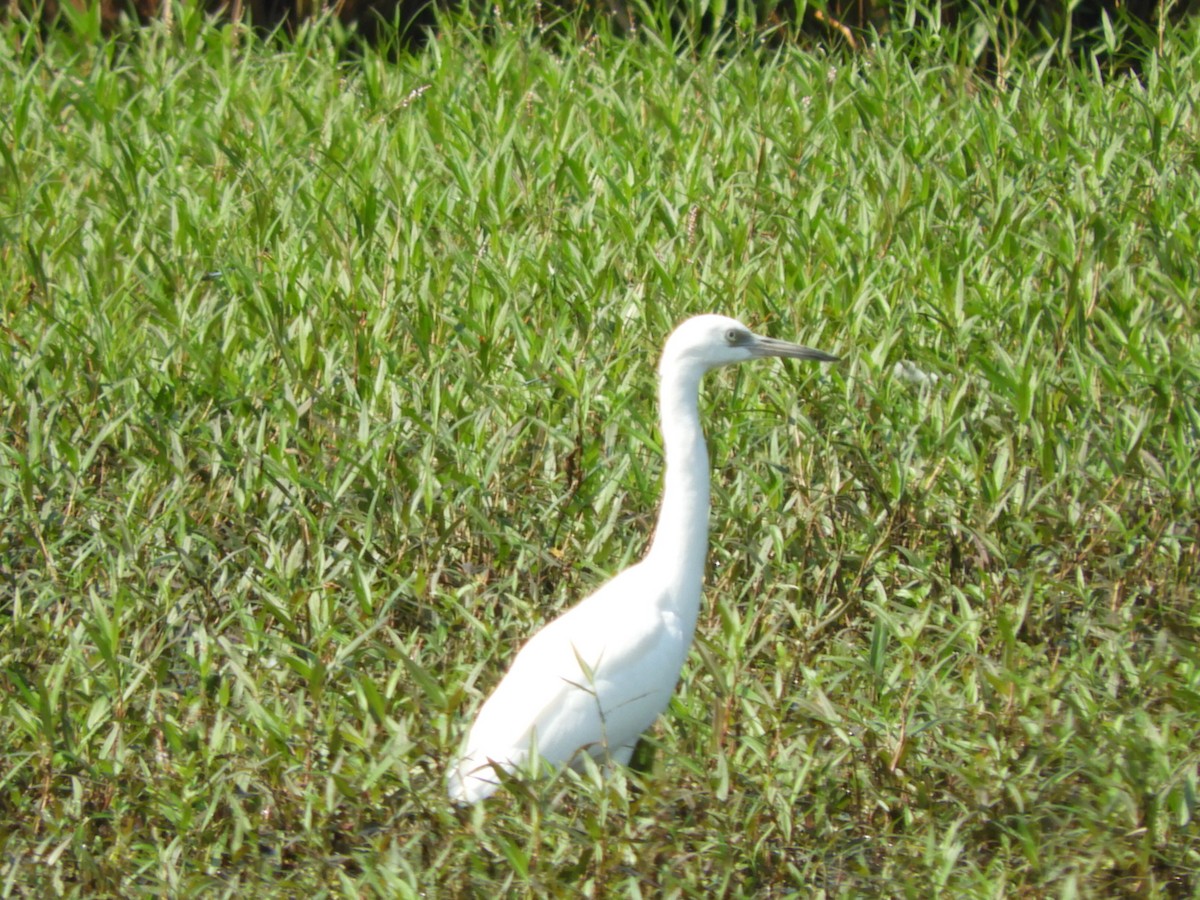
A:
[598,676]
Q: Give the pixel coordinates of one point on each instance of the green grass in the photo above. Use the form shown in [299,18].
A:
[325,381]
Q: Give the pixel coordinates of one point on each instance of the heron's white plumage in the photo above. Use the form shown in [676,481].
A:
[598,676]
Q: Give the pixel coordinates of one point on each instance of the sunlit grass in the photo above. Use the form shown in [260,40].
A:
[328,379]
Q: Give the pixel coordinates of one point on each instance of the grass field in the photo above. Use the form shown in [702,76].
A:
[326,380]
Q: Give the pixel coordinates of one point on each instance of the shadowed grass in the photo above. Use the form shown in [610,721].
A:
[326,383]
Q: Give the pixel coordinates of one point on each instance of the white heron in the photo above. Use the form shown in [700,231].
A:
[595,678]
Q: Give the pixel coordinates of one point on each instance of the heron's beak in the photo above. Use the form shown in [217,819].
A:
[765,346]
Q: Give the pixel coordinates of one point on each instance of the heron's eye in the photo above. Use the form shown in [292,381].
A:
[733,336]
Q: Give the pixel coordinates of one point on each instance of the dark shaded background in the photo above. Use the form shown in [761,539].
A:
[845,21]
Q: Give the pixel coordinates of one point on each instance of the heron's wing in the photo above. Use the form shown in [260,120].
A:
[593,680]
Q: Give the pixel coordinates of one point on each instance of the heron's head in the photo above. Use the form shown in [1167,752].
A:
[708,342]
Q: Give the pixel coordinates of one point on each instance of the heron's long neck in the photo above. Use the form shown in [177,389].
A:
[681,538]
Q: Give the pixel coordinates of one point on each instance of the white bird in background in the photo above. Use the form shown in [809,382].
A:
[599,675]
